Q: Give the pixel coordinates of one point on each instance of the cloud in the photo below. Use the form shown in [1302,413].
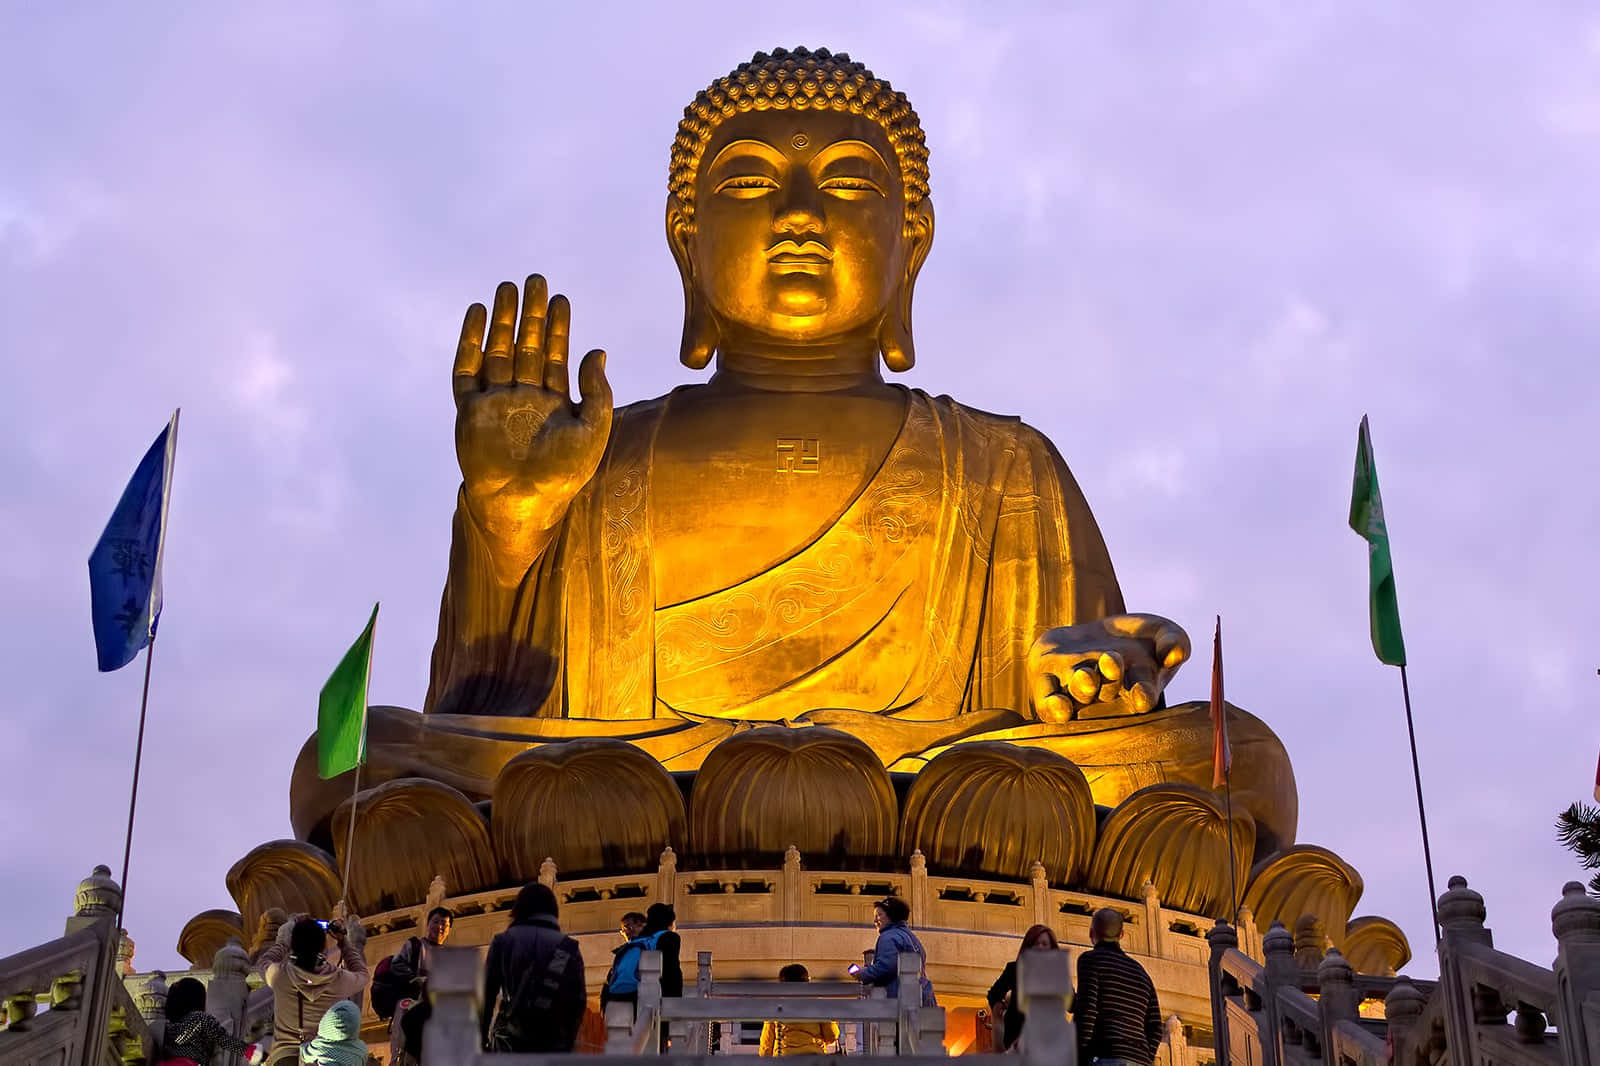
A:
[1192,250]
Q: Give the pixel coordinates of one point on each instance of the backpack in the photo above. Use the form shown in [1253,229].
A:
[387,989]
[623,980]
[525,1022]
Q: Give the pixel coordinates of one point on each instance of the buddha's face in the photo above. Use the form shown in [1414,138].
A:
[799,235]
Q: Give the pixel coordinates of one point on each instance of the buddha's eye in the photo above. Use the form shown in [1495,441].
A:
[850,188]
[746,186]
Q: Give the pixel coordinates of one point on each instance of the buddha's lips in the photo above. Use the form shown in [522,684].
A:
[811,257]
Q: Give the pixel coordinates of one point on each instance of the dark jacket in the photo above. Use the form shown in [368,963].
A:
[671,946]
[885,968]
[1006,986]
[1115,1008]
[518,973]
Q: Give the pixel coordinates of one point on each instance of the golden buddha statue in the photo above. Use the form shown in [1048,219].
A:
[793,566]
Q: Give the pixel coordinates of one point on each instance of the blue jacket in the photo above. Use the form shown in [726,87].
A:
[885,968]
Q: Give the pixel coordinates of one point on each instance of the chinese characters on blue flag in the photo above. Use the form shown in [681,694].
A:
[125,566]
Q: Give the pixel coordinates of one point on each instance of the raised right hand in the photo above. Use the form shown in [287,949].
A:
[525,449]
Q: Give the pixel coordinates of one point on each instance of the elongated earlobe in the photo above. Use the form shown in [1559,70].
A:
[700,338]
[894,336]
[699,330]
[894,333]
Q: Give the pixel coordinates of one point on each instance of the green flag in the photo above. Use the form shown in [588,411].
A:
[342,708]
[1366,518]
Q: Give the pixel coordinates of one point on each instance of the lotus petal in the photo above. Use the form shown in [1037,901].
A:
[1176,837]
[996,808]
[591,805]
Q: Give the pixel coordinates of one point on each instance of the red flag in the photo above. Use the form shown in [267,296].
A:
[1597,784]
[1221,754]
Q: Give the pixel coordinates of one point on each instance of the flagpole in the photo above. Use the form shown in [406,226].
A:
[361,757]
[1422,814]
[350,836]
[133,796]
[1233,877]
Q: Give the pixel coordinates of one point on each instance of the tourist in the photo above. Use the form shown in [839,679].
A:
[338,1041]
[661,922]
[632,925]
[890,916]
[193,1036]
[797,1038]
[534,992]
[305,983]
[399,987]
[1006,1013]
[1115,1010]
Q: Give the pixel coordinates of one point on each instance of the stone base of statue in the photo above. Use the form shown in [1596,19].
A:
[775,848]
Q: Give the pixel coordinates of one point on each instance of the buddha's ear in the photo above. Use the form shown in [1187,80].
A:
[699,342]
[894,333]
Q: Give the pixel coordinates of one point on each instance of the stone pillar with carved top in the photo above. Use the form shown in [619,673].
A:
[667,877]
[921,901]
[790,902]
[547,873]
[455,988]
[1402,1008]
[1175,1042]
[1575,920]
[1039,881]
[1154,928]
[1222,939]
[228,991]
[1461,921]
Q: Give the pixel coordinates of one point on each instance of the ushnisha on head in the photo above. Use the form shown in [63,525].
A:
[798,211]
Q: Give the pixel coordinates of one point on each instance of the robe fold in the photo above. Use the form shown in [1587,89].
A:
[920,601]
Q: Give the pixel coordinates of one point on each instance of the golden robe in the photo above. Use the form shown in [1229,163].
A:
[919,602]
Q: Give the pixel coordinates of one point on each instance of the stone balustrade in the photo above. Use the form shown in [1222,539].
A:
[875,1025]
[1487,1007]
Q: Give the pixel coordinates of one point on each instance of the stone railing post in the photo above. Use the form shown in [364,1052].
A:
[789,898]
[1222,938]
[152,1004]
[650,999]
[667,877]
[95,906]
[1040,882]
[1575,920]
[455,988]
[1310,942]
[1044,989]
[1403,1008]
[908,992]
[921,902]
[1461,921]
[1177,1044]
[1281,971]
[1249,935]
[1336,998]
[228,992]
[547,873]
[1155,929]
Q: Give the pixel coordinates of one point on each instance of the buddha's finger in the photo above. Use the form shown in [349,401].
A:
[1056,709]
[1084,685]
[529,358]
[1172,647]
[469,350]
[1141,687]
[1110,665]
[557,328]
[595,410]
[502,323]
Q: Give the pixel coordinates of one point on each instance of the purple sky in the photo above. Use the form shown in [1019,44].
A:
[1191,245]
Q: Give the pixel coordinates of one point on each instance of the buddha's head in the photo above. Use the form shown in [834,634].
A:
[798,210]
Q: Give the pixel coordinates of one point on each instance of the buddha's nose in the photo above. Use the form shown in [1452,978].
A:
[800,214]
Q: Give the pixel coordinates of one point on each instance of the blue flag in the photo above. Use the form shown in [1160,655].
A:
[125,566]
